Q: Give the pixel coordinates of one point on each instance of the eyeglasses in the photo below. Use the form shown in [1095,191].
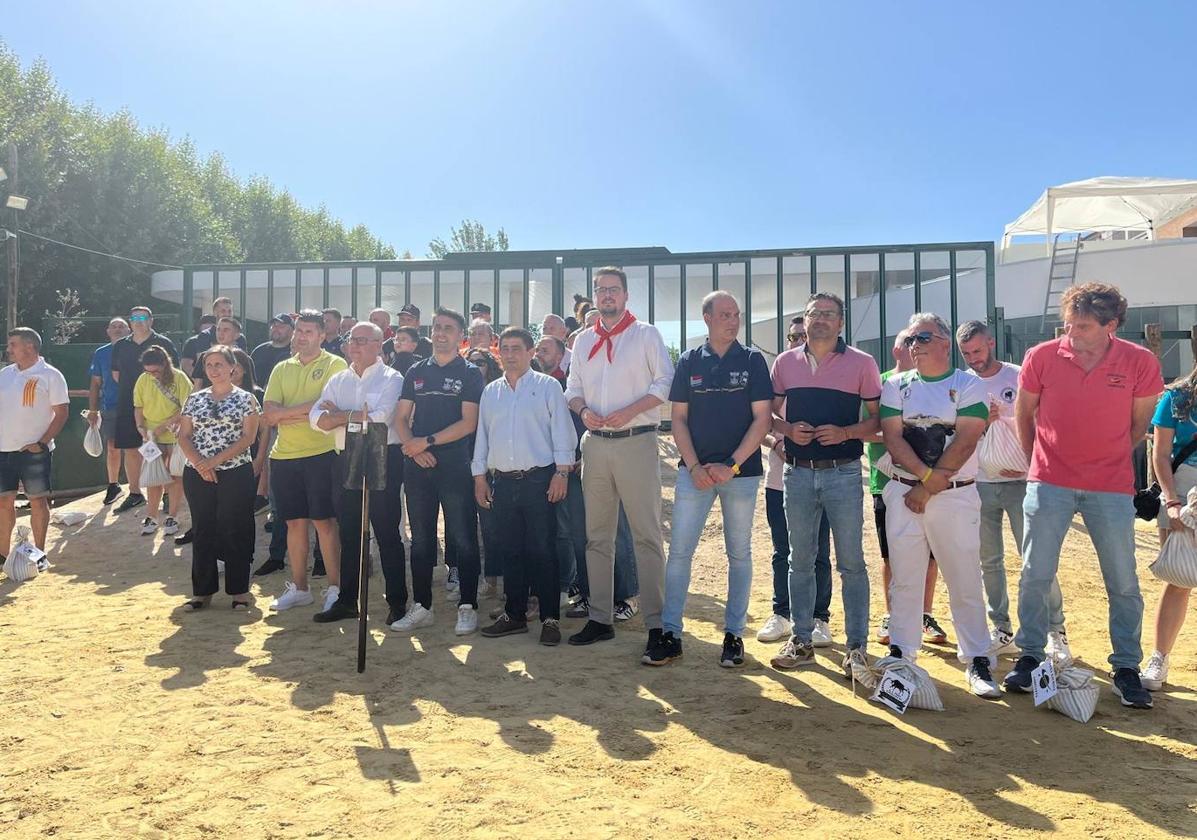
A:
[796,337]
[923,337]
[360,340]
[608,290]
[823,314]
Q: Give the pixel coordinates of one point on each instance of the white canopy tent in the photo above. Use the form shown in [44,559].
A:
[1103,204]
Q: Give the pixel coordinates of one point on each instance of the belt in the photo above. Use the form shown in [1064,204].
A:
[518,475]
[822,464]
[623,433]
[910,482]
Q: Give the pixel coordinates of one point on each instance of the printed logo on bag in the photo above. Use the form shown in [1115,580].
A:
[1116,380]
[1043,682]
[893,692]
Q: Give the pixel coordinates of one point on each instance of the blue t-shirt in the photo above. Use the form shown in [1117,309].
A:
[101,366]
[720,392]
[1177,410]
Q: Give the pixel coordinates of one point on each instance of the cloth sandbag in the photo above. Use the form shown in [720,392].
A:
[25,560]
[1076,694]
[154,473]
[178,461]
[923,693]
[1177,561]
[999,449]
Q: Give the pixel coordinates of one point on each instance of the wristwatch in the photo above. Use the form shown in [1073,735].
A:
[731,462]
[430,440]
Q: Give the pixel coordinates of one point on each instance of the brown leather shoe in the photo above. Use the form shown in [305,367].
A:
[505,626]
[550,633]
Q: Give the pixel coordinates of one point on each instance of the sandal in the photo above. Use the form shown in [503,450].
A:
[195,604]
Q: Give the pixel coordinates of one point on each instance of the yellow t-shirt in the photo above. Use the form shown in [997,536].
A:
[156,406]
[293,383]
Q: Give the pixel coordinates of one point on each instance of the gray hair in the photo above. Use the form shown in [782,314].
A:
[478,322]
[970,330]
[941,326]
[708,302]
[28,334]
[375,330]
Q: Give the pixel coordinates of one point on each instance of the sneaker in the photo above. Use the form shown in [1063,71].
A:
[980,680]
[1018,680]
[505,626]
[593,632]
[499,610]
[220,568]
[170,526]
[625,610]
[580,609]
[418,616]
[292,596]
[820,636]
[114,490]
[337,611]
[855,661]
[260,504]
[268,567]
[131,501]
[452,583]
[148,526]
[664,649]
[732,655]
[1001,641]
[933,634]
[883,630]
[185,537]
[467,620]
[550,632]
[1156,673]
[1126,684]
[318,569]
[533,610]
[394,615]
[330,597]
[566,602]
[776,628]
[793,655]
[1058,650]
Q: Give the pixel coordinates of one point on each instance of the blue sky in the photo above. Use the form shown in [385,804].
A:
[695,125]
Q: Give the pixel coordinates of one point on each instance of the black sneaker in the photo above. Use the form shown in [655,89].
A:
[664,649]
[1129,688]
[933,634]
[114,490]
[654,639]
[318,569]
[184,538]
[593,632]
[268,567]
[733,651]
[260,504]
[579,610]
[505,626]
[131,501]
[337,612]
[1019,678]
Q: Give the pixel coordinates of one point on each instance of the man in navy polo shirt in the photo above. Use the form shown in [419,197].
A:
[722,407]
[821,386]
[436,421]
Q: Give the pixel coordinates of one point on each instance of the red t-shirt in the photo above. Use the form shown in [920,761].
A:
[1082,430]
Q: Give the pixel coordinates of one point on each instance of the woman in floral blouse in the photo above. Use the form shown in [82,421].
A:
[218,426]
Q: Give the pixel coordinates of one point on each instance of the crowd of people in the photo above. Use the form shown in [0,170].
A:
[541,456]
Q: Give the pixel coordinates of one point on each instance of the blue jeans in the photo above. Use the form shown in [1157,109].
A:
[448,485]
[1110,520]
[775,514]
[691,506]
[998,497]
[838,493]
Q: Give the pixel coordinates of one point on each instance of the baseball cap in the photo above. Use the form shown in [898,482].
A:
[283,318]
[410,309]
[479,307]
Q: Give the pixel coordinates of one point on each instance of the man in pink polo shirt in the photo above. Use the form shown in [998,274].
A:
[1083,401]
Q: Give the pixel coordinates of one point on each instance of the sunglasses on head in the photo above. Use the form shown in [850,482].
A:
[923,337]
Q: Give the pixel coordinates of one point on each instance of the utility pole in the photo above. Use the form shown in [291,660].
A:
[14,245]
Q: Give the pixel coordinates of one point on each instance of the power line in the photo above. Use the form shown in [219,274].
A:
[97,253]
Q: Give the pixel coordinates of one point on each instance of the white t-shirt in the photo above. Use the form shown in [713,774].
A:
[27,400]
[1001,389]
[929,408]
[774,470]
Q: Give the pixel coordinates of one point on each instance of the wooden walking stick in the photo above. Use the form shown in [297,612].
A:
[363,580]
[366,443]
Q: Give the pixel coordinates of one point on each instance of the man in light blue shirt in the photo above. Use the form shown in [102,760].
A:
[523,452]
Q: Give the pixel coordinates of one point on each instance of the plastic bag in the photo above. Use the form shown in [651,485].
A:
[923,694]
[1076,694]
[68,517]
[155,474]
[1177,561]
[178,461]
[93,443]
[999,449]
[25,560]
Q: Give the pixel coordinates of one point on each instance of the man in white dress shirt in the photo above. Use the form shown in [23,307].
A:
[523,452]
[365,392]
[619,375]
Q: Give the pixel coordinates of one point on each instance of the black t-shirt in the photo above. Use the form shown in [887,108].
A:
[202,340]
[438,392]
[336,346]
[402,362]
[265,356]
[126,360]
[423,351]
[720,392]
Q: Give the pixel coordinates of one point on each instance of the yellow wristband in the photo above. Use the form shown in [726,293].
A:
[930,472]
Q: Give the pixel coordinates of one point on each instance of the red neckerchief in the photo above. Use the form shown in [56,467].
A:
[606,335]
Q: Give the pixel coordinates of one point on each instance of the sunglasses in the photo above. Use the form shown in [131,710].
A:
[796,337]
[921,337]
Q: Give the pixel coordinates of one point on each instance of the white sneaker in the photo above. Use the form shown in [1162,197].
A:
[855,664]
[1156,673]
[820,636]
[292,596]
[467,620]
[980,680]
[626,610]
[883,630]
[169,526]
[1057,649]
[219,568]
[417,616]
[1001,642]
[330,597]
[148,526]
[452,583]
[778,627]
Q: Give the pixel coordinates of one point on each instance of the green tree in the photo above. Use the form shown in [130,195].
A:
[470,237]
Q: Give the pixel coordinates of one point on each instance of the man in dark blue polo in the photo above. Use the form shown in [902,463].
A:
[722,406]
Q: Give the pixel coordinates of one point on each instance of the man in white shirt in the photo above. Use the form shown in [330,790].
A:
[523,453]
[33,403]
[365,392]
[619,376]
[1003,494]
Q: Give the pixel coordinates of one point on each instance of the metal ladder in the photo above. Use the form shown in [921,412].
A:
[1060,275]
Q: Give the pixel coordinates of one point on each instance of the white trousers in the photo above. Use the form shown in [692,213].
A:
[949,528]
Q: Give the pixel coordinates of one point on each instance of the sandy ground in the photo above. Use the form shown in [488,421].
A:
[123,717]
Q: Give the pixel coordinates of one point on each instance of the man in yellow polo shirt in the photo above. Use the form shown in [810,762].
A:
[302,459]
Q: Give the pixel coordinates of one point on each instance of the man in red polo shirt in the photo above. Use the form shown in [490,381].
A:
[1083,402]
